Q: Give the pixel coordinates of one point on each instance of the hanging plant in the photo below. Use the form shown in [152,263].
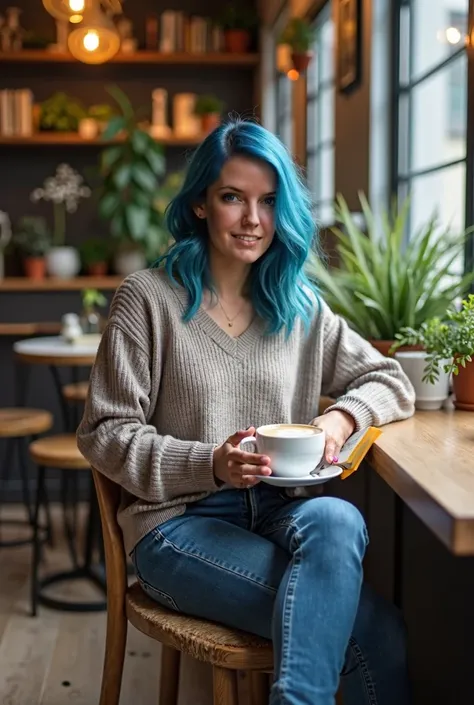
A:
[299,36]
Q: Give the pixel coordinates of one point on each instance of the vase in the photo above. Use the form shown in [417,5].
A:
[383,346]
[301,61]
[34,267]
[463,384]
[97,269]
[210,122]
[63,262]
[429,397]
[127,261]
[236,41]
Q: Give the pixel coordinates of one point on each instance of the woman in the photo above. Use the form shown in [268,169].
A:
[229,335]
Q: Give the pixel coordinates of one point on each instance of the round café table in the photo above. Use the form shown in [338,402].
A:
[55,352]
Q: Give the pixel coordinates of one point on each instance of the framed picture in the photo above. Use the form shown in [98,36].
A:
[349,44]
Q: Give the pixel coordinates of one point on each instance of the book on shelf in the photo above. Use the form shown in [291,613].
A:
[180,32]
[16,113]
[355,449]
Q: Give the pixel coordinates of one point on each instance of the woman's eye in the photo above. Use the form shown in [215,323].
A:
[269,201]
[229,197]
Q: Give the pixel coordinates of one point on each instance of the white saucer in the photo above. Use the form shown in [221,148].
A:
[322,476]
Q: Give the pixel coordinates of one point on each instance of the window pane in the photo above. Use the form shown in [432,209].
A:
[326,48]
[443,193]
[439,117]
[439,28]
[324,214]
[326,187]
[312,136]
[326,114]
[312,176]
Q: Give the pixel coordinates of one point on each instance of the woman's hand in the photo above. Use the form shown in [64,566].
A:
[338,427]
[236,467]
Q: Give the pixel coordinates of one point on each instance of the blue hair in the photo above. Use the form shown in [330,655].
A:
[278,286]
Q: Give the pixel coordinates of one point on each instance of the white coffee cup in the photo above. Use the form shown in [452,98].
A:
[294,449]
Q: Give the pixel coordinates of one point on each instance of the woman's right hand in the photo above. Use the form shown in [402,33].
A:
[237,467]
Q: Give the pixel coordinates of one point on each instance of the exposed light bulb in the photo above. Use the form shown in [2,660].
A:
[293,75]
[91,41]
[76,5]
[453,35]
[75,19]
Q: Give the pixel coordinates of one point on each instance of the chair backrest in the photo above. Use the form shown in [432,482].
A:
[108,494]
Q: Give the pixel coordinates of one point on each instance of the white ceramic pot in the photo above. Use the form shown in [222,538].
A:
[129,261]
[429,397]
[63,262]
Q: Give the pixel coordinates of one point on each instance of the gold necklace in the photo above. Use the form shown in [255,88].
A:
[230,321]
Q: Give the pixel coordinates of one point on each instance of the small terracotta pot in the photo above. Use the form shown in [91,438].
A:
[383,346]
[209,122]
[97,269]
[35,267]
[236,41]
[463,385]
[301,61]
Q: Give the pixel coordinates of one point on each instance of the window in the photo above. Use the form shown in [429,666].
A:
[284,110]
[320,119]
[432,111]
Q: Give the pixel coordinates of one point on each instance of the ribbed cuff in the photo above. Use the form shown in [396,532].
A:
[356,408]
[201,461]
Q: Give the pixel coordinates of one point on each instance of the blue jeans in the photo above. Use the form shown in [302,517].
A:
[289,570]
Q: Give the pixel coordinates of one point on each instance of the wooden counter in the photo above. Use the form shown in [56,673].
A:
[428,461]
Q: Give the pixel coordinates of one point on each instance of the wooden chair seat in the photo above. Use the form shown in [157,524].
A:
[199,638]
[59,451]
[18,422]
[76,392]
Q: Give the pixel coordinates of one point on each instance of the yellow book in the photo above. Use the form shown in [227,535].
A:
[355,449]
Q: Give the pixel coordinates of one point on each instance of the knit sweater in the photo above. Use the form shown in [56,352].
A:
[164,393]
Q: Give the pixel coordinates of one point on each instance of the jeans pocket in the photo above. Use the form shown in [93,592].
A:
[163,598]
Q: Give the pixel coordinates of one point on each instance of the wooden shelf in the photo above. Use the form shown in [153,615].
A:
[28,329]
[53,284]
[139,57]
[73,138]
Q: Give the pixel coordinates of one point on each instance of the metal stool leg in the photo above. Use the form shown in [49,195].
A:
[37,542]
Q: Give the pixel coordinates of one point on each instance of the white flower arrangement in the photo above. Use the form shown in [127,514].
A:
[64,190]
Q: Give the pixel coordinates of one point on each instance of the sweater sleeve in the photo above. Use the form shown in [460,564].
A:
[372,388]
[115,436]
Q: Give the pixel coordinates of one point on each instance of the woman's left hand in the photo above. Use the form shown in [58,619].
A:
[338,427]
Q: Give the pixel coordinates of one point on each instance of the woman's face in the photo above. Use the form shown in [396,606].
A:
[240,210]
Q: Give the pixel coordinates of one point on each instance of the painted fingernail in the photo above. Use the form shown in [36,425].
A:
[335,459]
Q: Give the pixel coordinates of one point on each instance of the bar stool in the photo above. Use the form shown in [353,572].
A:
[76,392]
[16,424]
[61,452]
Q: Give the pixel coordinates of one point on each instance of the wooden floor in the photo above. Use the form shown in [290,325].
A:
[56,657]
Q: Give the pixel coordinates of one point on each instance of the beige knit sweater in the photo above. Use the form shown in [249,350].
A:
[164,393]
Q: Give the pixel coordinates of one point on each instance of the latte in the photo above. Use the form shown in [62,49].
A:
[290,431]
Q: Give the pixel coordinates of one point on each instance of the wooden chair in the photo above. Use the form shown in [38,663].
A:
[226,650]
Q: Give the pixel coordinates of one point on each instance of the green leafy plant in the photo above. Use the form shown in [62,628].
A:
[102,112]
[61,113]
[208,104]
[298,34]
[32,236]
[92,298]
[381,285]
[131,172]
[237,16]
[449,338]
[94,250]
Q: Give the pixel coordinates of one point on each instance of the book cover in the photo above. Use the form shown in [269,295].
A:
[355,449]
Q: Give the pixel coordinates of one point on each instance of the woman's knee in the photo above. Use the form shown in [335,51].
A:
[334,520]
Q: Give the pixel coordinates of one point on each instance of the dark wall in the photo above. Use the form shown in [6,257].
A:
[352,123]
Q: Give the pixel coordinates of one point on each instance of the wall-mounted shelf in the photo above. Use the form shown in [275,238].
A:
[72,138]
[139,57]
[54,284]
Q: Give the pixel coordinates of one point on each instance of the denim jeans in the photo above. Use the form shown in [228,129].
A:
[289,570]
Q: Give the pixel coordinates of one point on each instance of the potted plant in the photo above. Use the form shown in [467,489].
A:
[64,190]
[131,172]
[61,113]
[91,320]
[238,23]
[95,256]
[449,348]
[380,285]
[102,113]
[208,108]
[299,35]
[33,238]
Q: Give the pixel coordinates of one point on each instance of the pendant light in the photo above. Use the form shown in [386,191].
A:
[66,10]
[96,39]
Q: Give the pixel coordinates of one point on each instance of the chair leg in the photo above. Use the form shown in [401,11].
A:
[169,678]
[115,644]
[225,686]
[36,558]
[259,688]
